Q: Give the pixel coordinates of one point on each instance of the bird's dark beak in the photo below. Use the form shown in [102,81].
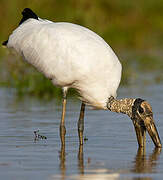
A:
[152,130]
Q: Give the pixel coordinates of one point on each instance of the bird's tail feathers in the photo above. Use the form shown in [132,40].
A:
[5,43]
[28,13]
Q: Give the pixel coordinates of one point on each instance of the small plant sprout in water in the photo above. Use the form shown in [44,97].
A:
[38,136]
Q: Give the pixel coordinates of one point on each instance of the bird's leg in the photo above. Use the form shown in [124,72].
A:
[140,133]
[81,123]
[81,159]
[62,157]
[62,123]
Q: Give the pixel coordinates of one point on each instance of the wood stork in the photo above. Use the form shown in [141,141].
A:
[72,56]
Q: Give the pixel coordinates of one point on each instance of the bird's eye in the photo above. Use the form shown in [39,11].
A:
[140,109]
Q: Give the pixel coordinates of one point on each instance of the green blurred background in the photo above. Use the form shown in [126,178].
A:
[134,29]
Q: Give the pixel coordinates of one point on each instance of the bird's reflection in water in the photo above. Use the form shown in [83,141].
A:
[145,164]
[62,157]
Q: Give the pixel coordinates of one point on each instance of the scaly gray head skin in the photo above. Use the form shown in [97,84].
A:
[141,114]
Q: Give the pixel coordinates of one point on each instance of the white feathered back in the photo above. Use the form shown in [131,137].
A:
[70,55]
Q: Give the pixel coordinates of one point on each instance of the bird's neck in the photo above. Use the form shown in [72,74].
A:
[121,105]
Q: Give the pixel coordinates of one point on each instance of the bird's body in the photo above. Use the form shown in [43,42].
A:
[71,56]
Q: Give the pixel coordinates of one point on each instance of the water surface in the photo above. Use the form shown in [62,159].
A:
[111,151]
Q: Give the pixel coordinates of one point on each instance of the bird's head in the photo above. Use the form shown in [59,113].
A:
[141,109]
[143,115]
[140,112]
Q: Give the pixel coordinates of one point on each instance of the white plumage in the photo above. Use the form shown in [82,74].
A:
[72,56]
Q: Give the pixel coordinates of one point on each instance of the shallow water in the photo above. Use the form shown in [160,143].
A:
[111,151]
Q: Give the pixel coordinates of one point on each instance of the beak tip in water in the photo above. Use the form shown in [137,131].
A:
[152,130]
